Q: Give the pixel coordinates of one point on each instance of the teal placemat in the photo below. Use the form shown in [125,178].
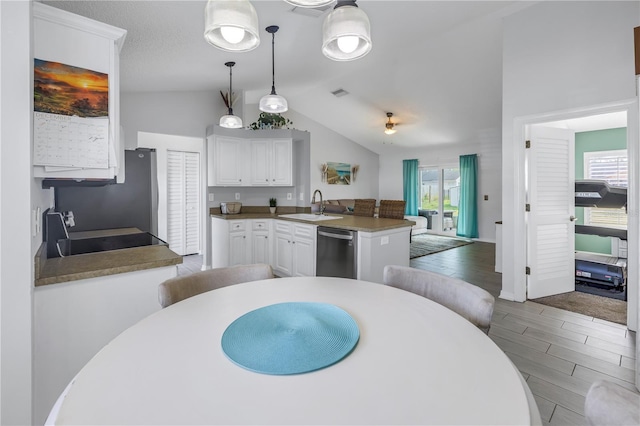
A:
[290,338]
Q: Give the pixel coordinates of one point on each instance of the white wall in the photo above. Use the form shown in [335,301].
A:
[16,183]
[327,145]
[556,56]
[487,146]
[171,113]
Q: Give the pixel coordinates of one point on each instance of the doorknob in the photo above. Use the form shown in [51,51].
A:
[572,218]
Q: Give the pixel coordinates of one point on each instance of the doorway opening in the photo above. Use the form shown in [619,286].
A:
[596,254]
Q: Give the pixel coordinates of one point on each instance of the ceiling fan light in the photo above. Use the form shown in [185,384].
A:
[344,27]
[273,103]
[231,122]
[231,25]
[310,3]
[389,131]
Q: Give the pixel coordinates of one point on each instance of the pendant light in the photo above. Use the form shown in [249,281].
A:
[230,121]
[273,103]
[310,3]
[389,127]
[231,25]
[346,32]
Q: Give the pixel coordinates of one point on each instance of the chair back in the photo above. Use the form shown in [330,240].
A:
[179,288]
[467,300]
[608,403]
[391,209]
[364,207]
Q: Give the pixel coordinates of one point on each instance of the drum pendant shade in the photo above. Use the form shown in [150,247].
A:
[346,33]
[231,25]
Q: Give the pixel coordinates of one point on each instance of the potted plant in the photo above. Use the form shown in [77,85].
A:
[272,205]
[271,121]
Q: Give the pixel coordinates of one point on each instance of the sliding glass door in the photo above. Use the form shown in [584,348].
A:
[439,194]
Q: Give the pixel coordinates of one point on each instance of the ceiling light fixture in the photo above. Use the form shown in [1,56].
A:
[389,127]
[310,3]
[273,103]
[231,25]
[346,32]
[230,121]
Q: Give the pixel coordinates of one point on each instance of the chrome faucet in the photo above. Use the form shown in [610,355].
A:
[313,200]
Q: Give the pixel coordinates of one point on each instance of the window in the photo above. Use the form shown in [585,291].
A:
[440,192]
[612,167]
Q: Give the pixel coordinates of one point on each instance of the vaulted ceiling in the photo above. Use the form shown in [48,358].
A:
[437,65]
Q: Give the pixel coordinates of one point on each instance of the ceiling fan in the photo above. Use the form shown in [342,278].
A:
[389,126]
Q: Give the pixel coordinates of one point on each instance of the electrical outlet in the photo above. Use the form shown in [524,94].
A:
[288,196]
[211,197]
[237,195]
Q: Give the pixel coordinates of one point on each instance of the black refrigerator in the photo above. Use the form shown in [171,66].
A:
[132,204]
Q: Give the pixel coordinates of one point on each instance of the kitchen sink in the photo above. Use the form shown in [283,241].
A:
[70,247]
[309,216]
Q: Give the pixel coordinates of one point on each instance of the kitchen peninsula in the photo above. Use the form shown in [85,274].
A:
[247,238]
[81,302]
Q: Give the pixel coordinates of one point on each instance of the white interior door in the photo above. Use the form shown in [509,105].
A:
[550,221]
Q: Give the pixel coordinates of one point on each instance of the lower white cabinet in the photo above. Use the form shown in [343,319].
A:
[289,247]
[294,251]
[240,242]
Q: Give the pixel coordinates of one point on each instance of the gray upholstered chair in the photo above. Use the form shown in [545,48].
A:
[179,288]
[610,404]
[467,300]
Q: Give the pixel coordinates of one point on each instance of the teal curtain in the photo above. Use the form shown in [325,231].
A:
[411,187]
[468,206]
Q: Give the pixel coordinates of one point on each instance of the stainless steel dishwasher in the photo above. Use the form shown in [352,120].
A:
[337,253]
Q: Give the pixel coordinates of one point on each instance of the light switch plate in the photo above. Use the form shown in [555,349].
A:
[237,195]
[288,196]
[302,196]
[211,197]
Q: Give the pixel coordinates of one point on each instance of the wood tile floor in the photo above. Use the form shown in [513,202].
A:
[559,353]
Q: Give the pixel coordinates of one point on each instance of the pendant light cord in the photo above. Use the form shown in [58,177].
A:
[230,91]
[273,63]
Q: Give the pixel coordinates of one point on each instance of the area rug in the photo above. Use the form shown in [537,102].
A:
[424,244]
[604,308]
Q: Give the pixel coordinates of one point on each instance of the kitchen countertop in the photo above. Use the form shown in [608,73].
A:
[348,222]
[92,265]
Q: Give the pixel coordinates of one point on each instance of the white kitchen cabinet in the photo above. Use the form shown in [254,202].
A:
[271,162]
[240,242]
[294,249]
[260,241]
[249,162]
[229,155]
[74,40]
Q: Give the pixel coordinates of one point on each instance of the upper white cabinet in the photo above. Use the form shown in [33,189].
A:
[67,145]
[249,162]
[271,163]
[229,161]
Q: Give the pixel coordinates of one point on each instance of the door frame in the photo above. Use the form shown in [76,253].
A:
[516,278]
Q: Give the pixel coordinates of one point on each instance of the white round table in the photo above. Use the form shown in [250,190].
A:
[416,363]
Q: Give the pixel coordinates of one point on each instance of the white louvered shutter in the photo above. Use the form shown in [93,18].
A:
[183,201]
